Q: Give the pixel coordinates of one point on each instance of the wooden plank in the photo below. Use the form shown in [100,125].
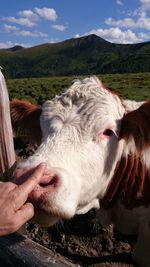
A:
[7,153]
[19,251]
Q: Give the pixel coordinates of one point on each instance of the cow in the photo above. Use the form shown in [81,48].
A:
[97,149]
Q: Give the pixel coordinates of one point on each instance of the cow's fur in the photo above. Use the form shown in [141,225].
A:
[99,146]
[25,120]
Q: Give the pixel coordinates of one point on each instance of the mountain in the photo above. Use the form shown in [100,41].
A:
[78,56]
[15,48]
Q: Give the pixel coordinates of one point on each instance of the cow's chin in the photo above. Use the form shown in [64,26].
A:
[49,210]
[44,218]
[48,217]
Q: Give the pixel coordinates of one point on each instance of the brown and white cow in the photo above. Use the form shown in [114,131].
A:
[97,149]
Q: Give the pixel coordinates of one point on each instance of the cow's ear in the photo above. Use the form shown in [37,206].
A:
[136,125]
[26,120]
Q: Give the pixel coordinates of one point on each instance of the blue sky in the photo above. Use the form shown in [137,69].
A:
[32,22]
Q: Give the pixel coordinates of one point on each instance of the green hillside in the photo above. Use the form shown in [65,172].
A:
[80,56]
[37,90]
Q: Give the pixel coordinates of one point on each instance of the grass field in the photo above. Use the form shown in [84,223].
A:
[134,86]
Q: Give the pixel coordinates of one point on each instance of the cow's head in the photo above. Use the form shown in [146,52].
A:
[79,143]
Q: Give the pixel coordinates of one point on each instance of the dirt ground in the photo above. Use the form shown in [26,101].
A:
[82,239]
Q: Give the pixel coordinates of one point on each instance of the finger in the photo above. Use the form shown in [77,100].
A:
[9,186]
[24,214]
[21,175]
[33,180]
[22,191]
[6,187]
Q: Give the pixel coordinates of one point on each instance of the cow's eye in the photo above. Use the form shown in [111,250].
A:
[108,132]
[106,135]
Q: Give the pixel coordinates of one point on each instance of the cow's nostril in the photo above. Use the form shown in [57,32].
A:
[52,182]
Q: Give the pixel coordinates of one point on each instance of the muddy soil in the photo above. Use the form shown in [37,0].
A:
[82,239]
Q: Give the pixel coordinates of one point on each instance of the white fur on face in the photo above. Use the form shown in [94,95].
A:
[71,146]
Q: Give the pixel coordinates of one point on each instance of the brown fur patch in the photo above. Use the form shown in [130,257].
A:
[130,184]
[136,125]
[26,119]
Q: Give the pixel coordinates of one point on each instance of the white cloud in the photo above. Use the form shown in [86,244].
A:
[46,13]
[127,22]
[53,41]
[145,4]
[32,34]
[142,23]
[77,35]
[42,34]
[21,21]
[137,19]
[10,28]
[25,33]
[29,18]
[116,35]
[144,36]
[17,31]
[59,27]
[10,44]
[28,14]
[7,44]
[141,14]
[119,2]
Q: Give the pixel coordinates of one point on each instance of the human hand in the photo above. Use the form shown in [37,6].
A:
[14,210]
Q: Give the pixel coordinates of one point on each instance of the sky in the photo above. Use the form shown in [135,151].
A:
[33,22]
